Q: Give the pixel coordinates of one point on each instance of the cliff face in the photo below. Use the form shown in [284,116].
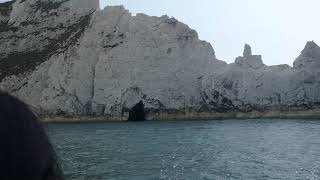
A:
[63,57]
[249,85]
[35,31]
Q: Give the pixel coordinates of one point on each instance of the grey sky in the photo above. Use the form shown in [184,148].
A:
[276,29]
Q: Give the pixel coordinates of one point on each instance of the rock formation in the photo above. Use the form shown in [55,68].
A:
[309,58]
[249,85]
[249,60]
[67,57]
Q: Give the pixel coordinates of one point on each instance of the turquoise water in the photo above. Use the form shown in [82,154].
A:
[230,149]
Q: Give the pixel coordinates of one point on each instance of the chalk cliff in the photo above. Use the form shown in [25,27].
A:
[248,84]
[68,57]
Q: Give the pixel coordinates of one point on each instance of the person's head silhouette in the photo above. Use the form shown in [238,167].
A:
[25,149]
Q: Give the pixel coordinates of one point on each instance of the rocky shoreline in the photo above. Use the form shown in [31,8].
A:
[310,114]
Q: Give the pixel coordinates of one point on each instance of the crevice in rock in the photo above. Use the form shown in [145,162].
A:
[93,81]
[18,88]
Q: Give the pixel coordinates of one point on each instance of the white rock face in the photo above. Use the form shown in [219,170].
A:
[80,61]
[91,4]
[309,58]
[250,85]
[118,61]
[42,33]
[37,30]
[159,60]
[32,10]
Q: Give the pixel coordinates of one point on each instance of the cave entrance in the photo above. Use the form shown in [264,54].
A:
[137,113]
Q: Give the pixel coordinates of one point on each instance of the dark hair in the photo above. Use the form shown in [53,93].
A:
[25,149]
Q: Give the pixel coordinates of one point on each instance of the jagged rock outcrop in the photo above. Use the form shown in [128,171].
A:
[67,57]
[249,60]
[309,58]
[249,85]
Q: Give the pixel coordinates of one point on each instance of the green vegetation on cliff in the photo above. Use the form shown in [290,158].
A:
[16,63]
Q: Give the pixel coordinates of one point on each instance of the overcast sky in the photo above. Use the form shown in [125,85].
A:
[276,29]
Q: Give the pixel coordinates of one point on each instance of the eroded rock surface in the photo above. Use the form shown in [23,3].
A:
[248,60]
[115,61]
[67,57]
[249,85]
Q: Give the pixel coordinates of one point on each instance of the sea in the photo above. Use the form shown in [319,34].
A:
[182,150]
